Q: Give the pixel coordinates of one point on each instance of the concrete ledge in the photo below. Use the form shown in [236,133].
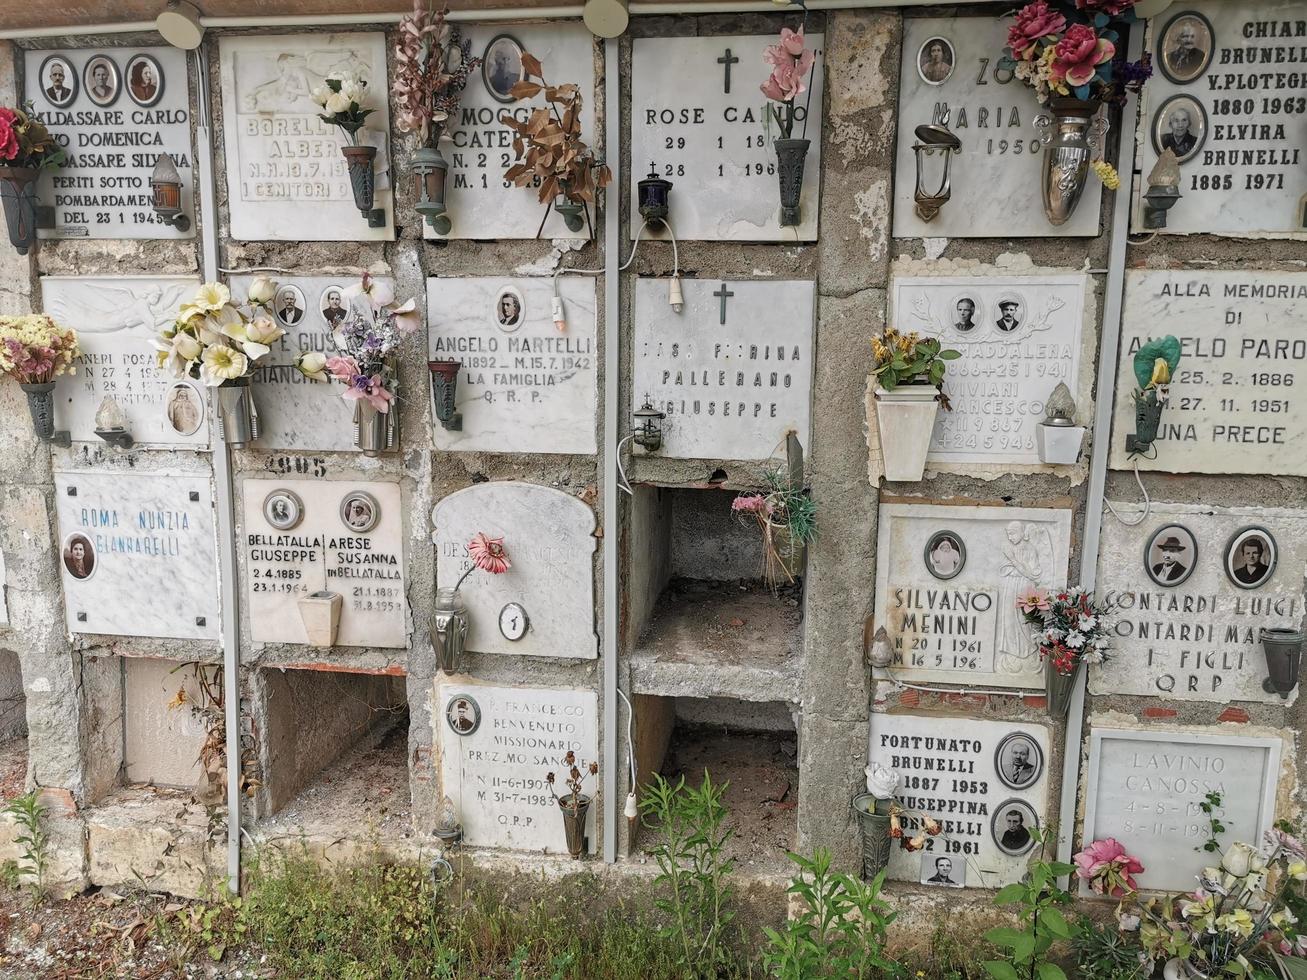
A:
[66,872]
[156,839]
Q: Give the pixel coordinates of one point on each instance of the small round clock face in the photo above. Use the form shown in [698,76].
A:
[513,621]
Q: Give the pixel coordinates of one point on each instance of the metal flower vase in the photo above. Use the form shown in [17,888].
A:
[238,417]
[574,823]
[18,192]
[1071,135]
[40,403]
[1283,649]
[363,182]
[448,629]
[1058,688]
[374,431]
[873,817]
[1148,419]
[790,155]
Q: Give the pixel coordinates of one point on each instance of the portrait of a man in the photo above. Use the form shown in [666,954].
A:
[1013,823]
[508,309]
[1250,558]
[289,305]
[102,80]
[1170,555]
[501,67]
[79,556]
[941,871]
[463,715]
[59,81]
[966,311]
[1018,760]
[1185,47]
[1010,315]
[935,60]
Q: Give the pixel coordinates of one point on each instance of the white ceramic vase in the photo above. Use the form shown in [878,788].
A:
[320,613]
[905,418]
[1059,443]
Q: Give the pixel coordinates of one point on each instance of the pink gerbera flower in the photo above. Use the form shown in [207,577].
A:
[488,554]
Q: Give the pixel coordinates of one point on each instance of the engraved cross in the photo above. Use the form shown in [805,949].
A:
[723,294]
[728,59]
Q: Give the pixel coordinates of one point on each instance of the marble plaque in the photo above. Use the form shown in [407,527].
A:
[115,319]
[286,176]
[1144,788]
[115,110]
[137,554]
[732,371]
[497,746]
[324,544]
[1237,402]
[162,743]
[1227,95]
[295,412]
[996,175]
[1012,357]
[524,387]
[479,147]
[970,776]
[1187,628]
[549,537]
[947,581]
[699,120]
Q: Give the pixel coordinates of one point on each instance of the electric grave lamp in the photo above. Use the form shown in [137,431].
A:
[429,171]
[648,427]
[934,151]
[166,190]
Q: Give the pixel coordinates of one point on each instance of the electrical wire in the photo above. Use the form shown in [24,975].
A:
[630,744]
[1148,503]
[623,481]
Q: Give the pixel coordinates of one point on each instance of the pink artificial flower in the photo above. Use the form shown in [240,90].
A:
[790,65]
[343,368]
[406,317]
[791,42]
[1113,8]
[1033,600]
[488,554]
[1034,22]
[750,504]
[8,136]
[1108,868]
[373,389]
[1079,54]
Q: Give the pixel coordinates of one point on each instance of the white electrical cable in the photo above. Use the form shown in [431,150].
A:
[623,481]
[559,316]
[630,745]
[1148,503]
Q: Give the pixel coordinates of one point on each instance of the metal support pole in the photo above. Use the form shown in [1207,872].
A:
[612,384]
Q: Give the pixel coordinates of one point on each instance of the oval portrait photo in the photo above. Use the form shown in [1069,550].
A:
[501,67]
[463,714]
[144,80]
[964,313]
[1250,557]
[1170,555]
[184,408]
[1184,48]
[79,556]
[58,81]
[334,306]
[945,554]
[510,309]
[283,509]
[1180,126]
[360,512]
[1011,826]
[935,61]
[101,80]
[1011,313]
[288,305]
[1018,760]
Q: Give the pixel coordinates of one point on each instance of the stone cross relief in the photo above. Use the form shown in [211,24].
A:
[1027,558]
[727,60]
[723,294]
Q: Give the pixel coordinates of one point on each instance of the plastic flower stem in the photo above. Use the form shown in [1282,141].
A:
[459,584]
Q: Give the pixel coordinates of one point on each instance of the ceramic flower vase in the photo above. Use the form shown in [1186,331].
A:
[790,156]
[320,613]
[1059,443]
[448,630]
[906,418]
[238,418]
[1283,649]
[18,192]
[362,179]
[1072,133]
[574,823]
[1058,688]
[873,817]
[373,430]
[40,403]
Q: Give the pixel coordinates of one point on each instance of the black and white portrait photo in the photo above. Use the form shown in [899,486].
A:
[283,509]
[144,80]
[509,309]
[935,61]
[501,67]
[1010,310]
[1184,49]
[58,81]
[1250,557]
[360,512]
[964,314]
[79,556]
[943,870]
[334,307]
[1011,826]
[1018,760]
[1170,555]
[1180,126]
[101,80]
[288,304]
[463,715]
[184,408]
[945,554]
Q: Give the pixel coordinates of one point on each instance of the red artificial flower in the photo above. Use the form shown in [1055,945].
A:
[1078,55]
[1034,22]
[1113,8]
[8,134]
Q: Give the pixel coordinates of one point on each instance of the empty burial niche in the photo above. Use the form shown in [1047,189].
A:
[13,727]
[753,746]
[334,751]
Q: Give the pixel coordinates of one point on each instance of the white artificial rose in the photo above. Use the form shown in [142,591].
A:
[882,783]
[1238,859]
[339,102]
[320,94]
[262,290]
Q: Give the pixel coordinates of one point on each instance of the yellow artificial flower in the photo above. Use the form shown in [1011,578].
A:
[1107,174]
[1298,869]
[1240,922]
[212,296]
[222,363]
[1161,373]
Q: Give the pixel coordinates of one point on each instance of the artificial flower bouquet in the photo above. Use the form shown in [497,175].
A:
[432,64]
[792,63]
[1108,869]
[365,342]
[25,143]
[34,350]
[216,340]
[342,103]
[908,359]
[1067,625]
[786,518]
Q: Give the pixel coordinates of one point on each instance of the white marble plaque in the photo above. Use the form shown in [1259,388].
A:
[1237,402]
[137,554]
[1144,788]
[947,581]
[1188,629]
[524,387]
[295,412]
[549,537]
[479,147]
[970,776]
[1227,95]
[497,746]
[115,319]
[322,552]
[1013,356]
[699,120]
[732,371]
[996,175]
[115,110]
[286,176]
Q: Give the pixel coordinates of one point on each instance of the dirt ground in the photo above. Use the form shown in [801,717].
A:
[13,768]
